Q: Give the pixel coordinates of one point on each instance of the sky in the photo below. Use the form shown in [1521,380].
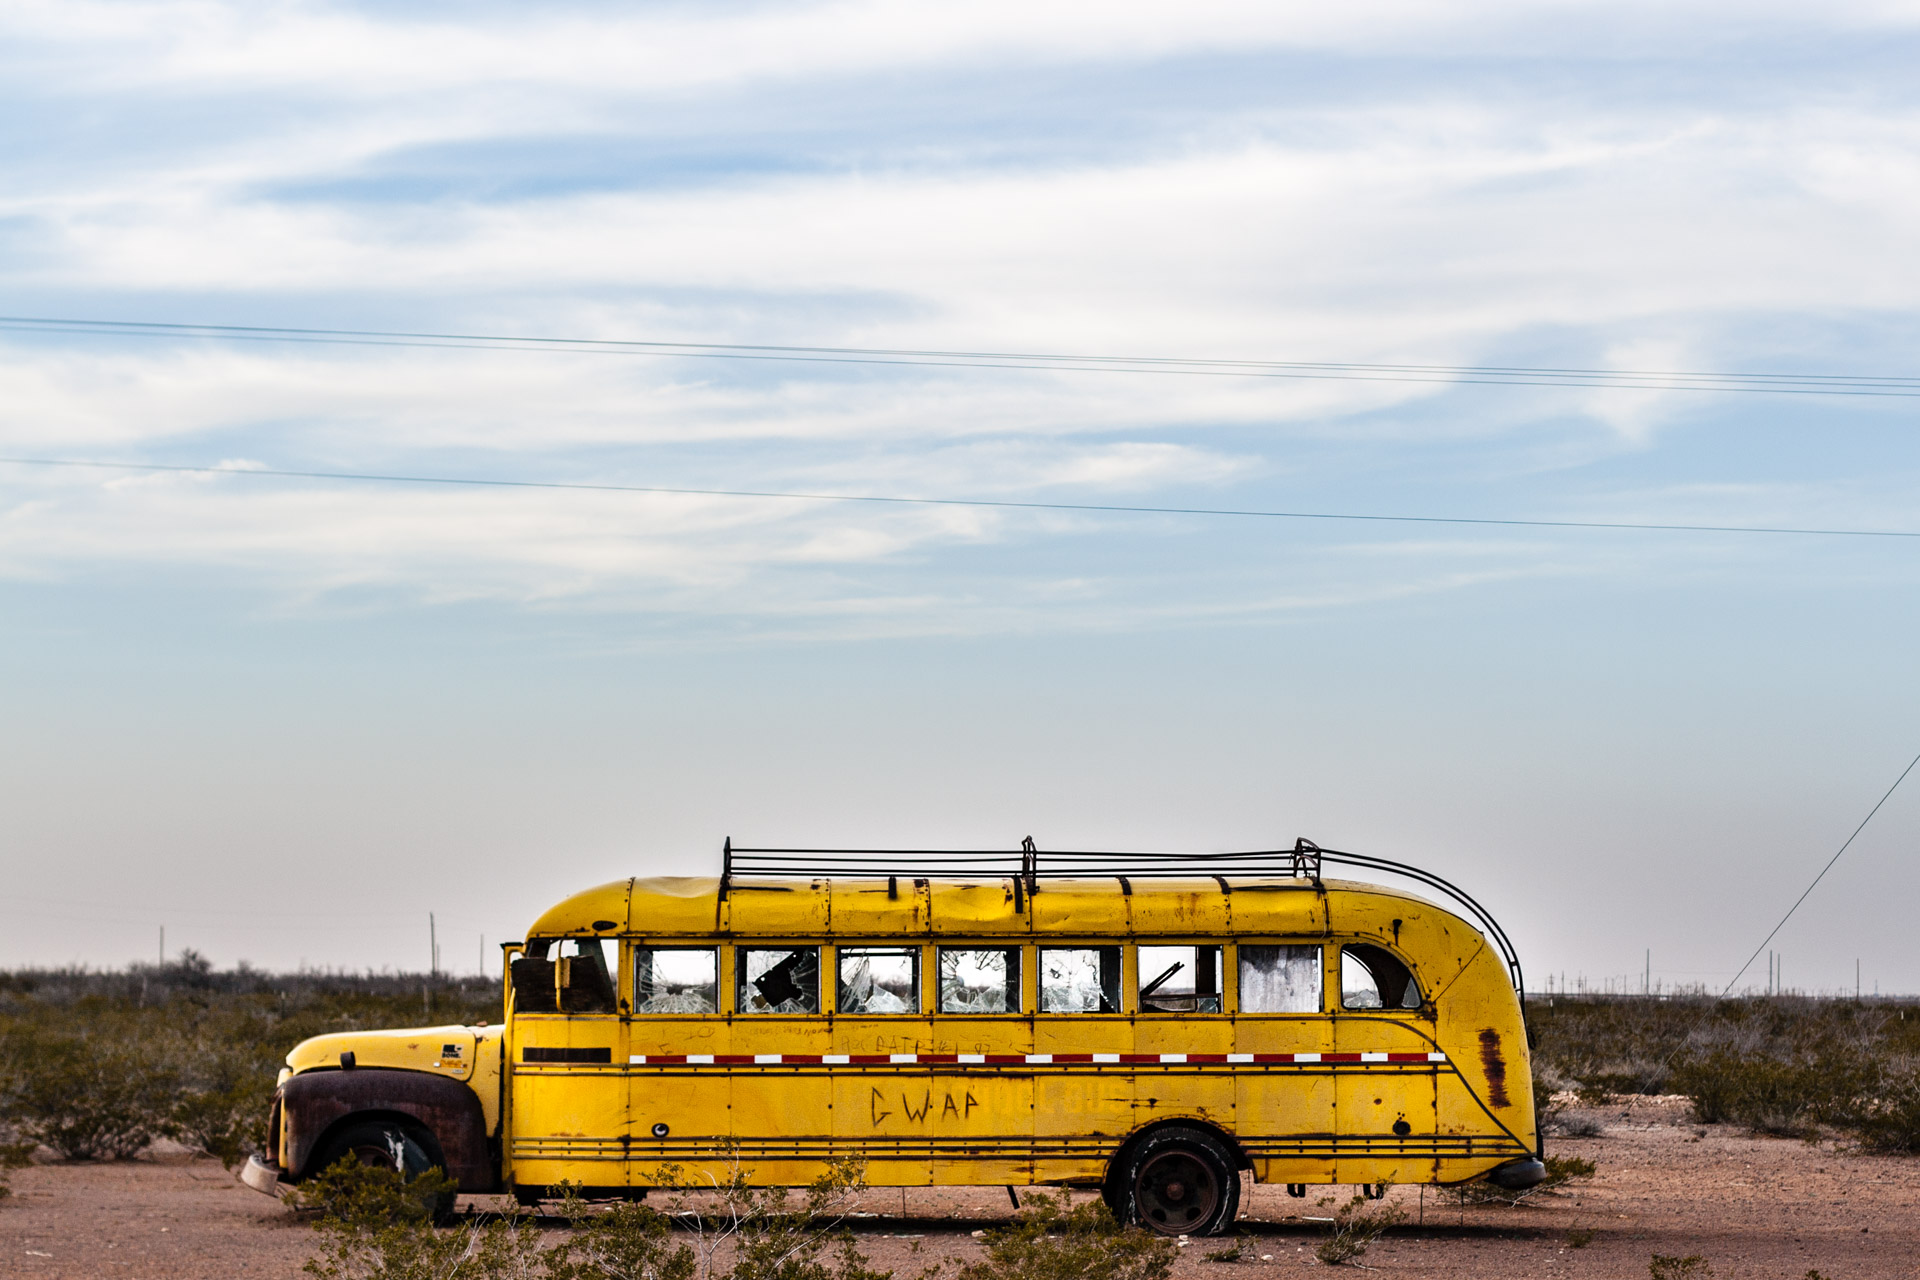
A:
[286,719]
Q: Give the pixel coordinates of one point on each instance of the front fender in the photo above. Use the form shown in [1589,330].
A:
[313,1102]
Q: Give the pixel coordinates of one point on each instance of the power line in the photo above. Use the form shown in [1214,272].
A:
[1823,873]
[1341,371]
[999,503]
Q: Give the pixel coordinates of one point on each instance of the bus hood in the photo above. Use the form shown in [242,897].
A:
[443,1051]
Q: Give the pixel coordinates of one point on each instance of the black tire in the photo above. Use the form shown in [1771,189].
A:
[1179,1181]
[391,1145]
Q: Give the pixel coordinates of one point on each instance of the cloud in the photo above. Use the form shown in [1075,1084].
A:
[1385,182]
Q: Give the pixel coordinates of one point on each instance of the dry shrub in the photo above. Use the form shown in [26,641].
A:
[1667,1267]
[92,1098]
[1356,1225]
[1051,1239]
[13,1155]
[1787,1065]
[364,1197]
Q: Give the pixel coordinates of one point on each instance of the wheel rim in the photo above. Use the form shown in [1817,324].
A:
[1176,1193]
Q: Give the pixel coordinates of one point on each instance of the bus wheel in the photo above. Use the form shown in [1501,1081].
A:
[1182,1183]
[386,1144]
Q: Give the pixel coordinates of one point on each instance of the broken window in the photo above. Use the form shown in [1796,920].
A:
[1179,979]
[533,989]
[779,980]
[676,980]
[573,975]
[1080,980]
[979,981]
[1279,979]
[1374,978]
[879,980]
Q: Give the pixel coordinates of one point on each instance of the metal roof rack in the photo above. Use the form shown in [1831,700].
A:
[1029,867]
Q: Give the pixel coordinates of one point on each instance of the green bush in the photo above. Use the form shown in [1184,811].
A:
[13,1155]
[91,1099]
[1356,1225]
[1051,1239]
[98,1064]
[1788,1065]
[364,1197]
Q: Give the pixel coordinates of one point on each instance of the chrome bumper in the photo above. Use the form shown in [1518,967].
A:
[262,1177]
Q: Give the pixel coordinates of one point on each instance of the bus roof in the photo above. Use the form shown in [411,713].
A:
[667,906]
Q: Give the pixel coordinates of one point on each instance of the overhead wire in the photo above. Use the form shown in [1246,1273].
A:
[1343,371]
[997,503]
[1845,845]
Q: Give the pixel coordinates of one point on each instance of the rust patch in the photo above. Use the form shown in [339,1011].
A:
[1496,1067]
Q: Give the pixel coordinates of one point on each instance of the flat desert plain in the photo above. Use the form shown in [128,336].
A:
[1751,1206]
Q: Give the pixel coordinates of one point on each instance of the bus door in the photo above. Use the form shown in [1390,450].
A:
[568,1090]
[677,1042]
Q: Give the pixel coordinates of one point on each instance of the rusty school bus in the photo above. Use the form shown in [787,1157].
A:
[1152,1030]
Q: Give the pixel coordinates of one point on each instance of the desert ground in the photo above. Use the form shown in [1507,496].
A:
[1751,1206]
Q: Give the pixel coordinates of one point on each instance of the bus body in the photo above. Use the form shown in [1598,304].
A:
[1145,1036]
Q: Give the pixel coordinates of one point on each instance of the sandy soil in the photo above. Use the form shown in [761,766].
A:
[1750,1206]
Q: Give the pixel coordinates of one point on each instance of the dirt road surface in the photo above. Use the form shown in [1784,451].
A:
[1752,1207]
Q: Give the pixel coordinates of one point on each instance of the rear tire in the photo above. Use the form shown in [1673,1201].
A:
[1179,1181]
[388,1144]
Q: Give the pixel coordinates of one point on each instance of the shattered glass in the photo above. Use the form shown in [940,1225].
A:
[1280,979]
[779,980]
[676,980]
[1080,980]
[979,981]
[879,980]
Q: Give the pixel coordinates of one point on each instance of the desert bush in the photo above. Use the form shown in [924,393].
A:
[364,1197]
[628,1242]
[1577,1124]
[1667,1267]
[1052,1239]
[1789,1065]
[379,1231]
[1356,1225]
[98,1064]
[91,1098]
[13,1155]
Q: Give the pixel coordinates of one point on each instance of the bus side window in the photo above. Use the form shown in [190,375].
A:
[1279,979]
[1080,979]
[878,980]
[1374,978]
[533,990]
[778,980]
[587,966]
[1179,979]
[979,981]
[676,980]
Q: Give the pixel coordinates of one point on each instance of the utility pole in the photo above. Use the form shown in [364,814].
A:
[163,946]
[433,947]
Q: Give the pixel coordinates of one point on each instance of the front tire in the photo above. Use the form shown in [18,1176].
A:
[387,1144]
[1180,1181]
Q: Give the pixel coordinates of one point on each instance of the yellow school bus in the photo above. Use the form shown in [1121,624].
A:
[1151,1025]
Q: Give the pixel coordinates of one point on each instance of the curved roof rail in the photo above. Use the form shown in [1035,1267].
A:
[1029,867]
